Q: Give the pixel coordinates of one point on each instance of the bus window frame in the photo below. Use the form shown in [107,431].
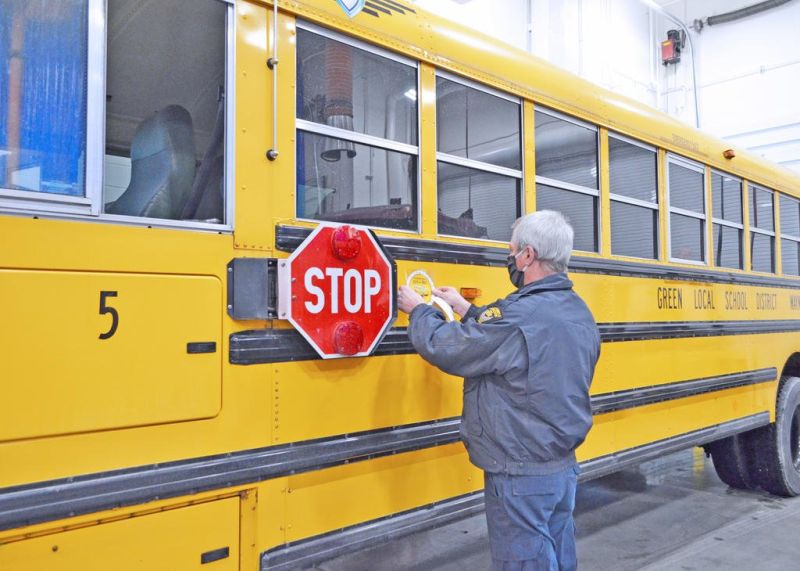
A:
[552,182]
[700,168]
[90,203]
[655,206]
[480,165]
[728,223]
[90,207]
[752,187]
[363,138]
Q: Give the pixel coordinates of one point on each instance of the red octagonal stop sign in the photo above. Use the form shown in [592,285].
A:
[338,289]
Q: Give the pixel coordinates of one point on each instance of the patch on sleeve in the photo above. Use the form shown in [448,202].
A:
[490,314]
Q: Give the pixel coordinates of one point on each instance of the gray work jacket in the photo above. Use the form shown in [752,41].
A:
[527,362]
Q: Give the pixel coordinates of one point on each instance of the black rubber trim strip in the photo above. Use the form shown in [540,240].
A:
[261,346]
[36,503]
[613,332]
[287,238]
[24,505]
[633,398]
[315,550]
[605,465]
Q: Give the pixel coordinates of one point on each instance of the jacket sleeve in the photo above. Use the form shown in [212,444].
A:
[474,311]
[467,348]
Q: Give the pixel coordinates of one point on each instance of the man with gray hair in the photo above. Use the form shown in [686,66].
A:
[527,362]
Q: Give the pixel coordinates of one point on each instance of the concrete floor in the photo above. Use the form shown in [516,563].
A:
[670,514]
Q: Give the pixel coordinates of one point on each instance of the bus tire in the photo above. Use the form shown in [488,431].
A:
[777,446]
[732,461]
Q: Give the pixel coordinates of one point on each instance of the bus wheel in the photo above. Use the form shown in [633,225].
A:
[732,461]
[777,446]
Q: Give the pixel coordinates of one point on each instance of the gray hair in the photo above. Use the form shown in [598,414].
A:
[547,232]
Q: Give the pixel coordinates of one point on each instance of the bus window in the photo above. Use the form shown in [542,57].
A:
[43,90]
[567,174]
[165,110]
[479,156]
[790,235]
[687,210]
[634,198]
[726,207]
[356,133]
[762,230]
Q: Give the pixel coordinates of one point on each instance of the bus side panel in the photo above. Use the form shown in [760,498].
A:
[193,537]
[93,351]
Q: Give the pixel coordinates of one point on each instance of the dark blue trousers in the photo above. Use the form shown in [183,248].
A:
[530,521]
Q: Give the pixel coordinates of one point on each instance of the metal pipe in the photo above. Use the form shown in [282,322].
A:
[745,12]
[272,63]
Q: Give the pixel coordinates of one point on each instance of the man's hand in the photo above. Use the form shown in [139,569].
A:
[408,299]
[452,297]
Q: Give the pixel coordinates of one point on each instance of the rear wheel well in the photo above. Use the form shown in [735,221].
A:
[792,366]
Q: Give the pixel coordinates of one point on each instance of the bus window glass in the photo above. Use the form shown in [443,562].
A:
[476,125]
[790,235]
[577,207]
[686,191]
[375,187]
[356,90]
[43,90]
[566,174]
[761,209]
[728,247]
[790,257]
[634,199]
[762,230]
[479,161]
[726,202]
[726,195]
[165,110]
[762,252]
[634,230]
[566,151]
[790,217]
[356,134]
[687,237]
[465,192]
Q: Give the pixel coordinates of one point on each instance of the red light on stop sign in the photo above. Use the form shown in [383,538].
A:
[346,242]
[348,337]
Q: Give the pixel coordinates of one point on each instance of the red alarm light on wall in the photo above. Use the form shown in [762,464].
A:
[671,47]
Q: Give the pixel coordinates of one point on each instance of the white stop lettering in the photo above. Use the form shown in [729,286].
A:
[358,289]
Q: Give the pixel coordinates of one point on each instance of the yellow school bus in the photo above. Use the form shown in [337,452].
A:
[159,159]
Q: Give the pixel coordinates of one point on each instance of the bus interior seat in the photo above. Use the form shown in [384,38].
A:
[206,201]
[210,208]
[162,166]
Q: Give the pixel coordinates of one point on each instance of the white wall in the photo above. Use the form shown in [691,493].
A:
[749,76]
[748,71]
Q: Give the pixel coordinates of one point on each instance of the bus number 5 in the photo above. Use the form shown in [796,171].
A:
[106,309]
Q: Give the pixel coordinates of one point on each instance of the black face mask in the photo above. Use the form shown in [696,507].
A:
[516,276]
